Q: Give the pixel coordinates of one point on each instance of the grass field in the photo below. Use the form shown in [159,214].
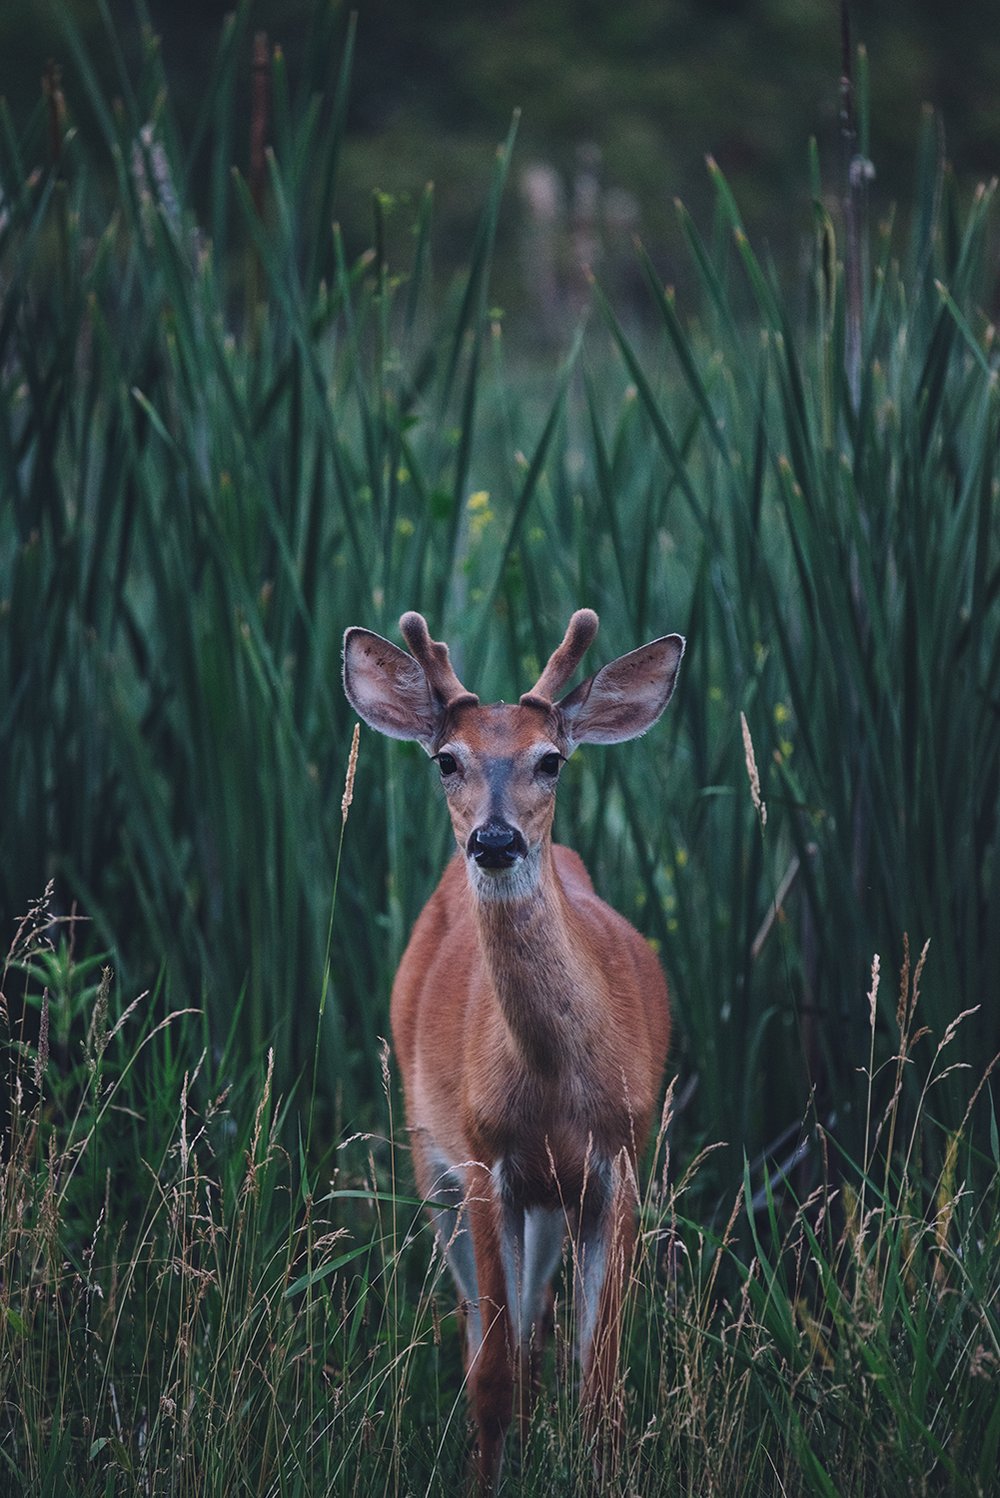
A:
[221,442]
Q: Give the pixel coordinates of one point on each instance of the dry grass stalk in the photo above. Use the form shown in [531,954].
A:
[752,772]
[352,767]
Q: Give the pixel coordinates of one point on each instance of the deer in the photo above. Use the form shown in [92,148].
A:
[530,1021]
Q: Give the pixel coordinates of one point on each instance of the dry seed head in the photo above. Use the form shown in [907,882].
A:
[873,991]
[250,1184]
[919,972]
[667,1111]
[352,766]
[42,1055]
[949,1034]
[185,1151]
[97,1033]
[904,983]
[326,1241]
[126,1015]
[752,774]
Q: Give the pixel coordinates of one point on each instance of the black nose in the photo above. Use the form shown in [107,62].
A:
[495,845]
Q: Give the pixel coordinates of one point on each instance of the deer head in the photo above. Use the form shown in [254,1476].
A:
[500,764]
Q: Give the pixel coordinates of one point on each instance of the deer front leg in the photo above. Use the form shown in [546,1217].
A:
[604,1263]
[443,1187]
[491,1369]
[541,1245]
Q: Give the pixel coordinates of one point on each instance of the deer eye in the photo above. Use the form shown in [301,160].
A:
[447,764]
[549,764]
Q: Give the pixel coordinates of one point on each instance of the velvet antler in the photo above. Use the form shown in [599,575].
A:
[564,660]
[434,658]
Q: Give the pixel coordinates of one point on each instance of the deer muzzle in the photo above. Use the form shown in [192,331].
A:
[496,845]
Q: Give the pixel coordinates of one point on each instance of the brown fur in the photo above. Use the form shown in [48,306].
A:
[488,1077]
[530,1020]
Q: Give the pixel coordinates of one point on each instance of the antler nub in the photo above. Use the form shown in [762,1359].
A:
[564,660]
[433,656]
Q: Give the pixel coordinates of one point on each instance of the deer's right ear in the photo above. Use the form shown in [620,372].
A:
[388,688]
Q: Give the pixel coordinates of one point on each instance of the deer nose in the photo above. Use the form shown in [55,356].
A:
[495,845]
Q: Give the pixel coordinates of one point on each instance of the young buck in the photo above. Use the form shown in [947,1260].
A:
[529,1018]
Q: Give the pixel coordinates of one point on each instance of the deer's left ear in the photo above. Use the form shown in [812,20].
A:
[626,696]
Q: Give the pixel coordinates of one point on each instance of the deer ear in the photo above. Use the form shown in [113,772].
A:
[388,688]
[626,696]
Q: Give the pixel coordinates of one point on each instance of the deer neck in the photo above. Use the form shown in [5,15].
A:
[533,964]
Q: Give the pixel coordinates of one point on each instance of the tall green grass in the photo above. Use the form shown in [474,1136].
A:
[225,435]
[187,1308]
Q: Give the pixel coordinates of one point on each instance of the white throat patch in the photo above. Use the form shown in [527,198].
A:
[519,882]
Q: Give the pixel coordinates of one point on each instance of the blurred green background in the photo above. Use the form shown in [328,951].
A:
[630,97]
